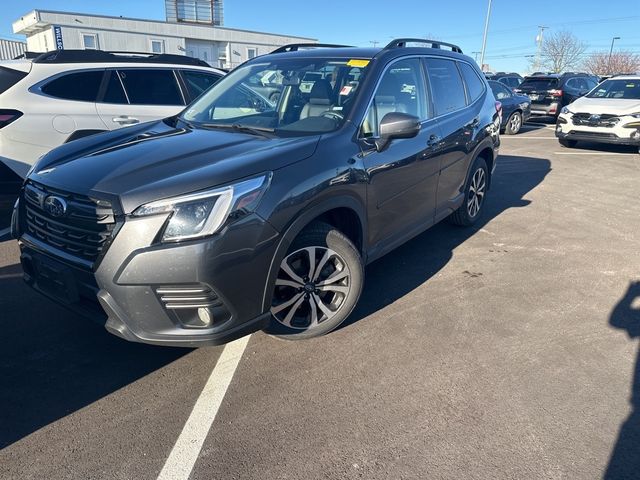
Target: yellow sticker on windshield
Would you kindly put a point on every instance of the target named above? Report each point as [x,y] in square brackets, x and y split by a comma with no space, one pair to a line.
[630,85]
[358,63]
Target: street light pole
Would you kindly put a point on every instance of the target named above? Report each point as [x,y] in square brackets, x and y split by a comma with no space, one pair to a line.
[611,52]
[484,37]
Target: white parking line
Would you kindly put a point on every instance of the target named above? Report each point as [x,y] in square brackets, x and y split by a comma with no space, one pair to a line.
[521,137]
[596,153]
[4,231]
[185,452]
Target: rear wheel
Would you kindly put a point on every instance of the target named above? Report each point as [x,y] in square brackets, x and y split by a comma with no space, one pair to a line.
[567,143]
[514,124]
[318,284]
[474,195]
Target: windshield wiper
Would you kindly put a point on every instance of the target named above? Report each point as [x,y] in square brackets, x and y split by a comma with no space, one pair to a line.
[260,131]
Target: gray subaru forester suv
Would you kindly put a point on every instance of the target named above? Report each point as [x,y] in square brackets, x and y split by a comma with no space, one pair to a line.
[246,212]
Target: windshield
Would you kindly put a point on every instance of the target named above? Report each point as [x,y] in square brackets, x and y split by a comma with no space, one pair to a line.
[625,89]
[297,96]
[539,83]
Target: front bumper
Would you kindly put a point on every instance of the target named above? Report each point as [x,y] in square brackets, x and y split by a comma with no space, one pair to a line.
[124,291]
[615,135]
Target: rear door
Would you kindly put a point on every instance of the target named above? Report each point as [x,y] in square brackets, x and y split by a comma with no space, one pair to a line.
[135,95]
[403,178]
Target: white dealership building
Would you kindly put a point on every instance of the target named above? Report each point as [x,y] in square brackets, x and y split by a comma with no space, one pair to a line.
[182,34]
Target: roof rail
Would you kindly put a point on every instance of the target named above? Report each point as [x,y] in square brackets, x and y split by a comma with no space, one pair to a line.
[294,47]
[101,56]
[402,42]
[27,55]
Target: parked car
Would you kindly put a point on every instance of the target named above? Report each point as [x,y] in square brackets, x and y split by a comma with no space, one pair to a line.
[550,92]
[64,95]
[516,108]
[610,113]
[511,80]
[199,228]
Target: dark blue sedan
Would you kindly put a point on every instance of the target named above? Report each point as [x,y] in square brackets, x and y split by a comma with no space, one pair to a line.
[516,108]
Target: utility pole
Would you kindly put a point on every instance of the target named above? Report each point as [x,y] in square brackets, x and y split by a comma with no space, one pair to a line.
[539,39]
[610,52]
[374,43]
[475,54]
[484,37]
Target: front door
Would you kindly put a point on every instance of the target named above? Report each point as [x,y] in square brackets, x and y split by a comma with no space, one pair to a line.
[403,178]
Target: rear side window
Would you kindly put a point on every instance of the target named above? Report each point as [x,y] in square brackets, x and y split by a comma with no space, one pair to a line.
[198,82]
[446,85]
[114,92]
[81,86]
[151,87]
[539,83]
[9,77]
[499,90]
[475,86]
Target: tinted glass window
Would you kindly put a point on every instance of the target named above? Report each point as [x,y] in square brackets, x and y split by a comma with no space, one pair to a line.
[198,82]
[446,85]
[114,92]
[475,86]
[499,90]
[9,77]
[81,86]
[151,87]
[539,83]
[401,89]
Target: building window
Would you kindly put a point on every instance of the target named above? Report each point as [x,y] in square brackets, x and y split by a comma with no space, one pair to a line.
[90,41]
[252,53]
[157,46]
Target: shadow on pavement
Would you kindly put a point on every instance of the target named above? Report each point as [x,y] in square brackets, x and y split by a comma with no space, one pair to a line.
[53,362]
[625,458]
[414,263]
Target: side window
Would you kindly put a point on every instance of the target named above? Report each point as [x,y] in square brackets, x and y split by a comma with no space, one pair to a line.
[151,87]
[591,83]
[500,91]
[114,92]
[198,82]
[475,86]
[82,86]
[401,89]
[446,85]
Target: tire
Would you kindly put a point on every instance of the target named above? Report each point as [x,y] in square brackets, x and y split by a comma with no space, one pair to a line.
[305,303]
[475,190]
[514,123]
[567,143]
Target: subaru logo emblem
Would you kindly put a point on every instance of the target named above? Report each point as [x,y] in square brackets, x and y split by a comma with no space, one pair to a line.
[55,206]
[594,118]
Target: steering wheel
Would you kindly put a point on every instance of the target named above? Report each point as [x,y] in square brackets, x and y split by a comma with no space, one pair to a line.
[333,115]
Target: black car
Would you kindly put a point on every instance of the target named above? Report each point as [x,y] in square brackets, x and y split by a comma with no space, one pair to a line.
[516,108]
[240,214]
[550,92]
[511,80]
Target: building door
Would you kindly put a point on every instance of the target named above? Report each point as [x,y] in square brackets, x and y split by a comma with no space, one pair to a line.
[202,50]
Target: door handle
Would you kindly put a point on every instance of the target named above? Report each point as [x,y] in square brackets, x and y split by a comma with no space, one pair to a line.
[433,140]
[125,120]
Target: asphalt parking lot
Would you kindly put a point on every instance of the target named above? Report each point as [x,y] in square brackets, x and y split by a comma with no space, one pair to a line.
[506,351]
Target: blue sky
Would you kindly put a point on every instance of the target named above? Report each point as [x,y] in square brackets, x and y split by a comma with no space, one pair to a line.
[512,29]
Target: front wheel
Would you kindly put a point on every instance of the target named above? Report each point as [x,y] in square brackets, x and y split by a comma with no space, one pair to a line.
[318,285]
[474,195]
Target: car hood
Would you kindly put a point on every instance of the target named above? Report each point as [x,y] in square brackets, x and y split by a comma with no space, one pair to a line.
[156,160]
[614,106]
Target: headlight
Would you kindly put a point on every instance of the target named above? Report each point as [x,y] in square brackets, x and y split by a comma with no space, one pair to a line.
[203,213]
[636,115]
[566,110]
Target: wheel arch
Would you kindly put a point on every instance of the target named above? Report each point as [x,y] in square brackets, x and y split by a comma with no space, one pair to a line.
[345,213]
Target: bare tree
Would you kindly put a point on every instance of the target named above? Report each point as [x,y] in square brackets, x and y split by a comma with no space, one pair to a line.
[599,63]
[562,51]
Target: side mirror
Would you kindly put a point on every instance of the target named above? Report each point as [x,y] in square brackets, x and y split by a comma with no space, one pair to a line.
[396,125]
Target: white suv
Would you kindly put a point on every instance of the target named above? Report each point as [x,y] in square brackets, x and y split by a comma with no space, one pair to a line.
[610,113]
[68,94]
